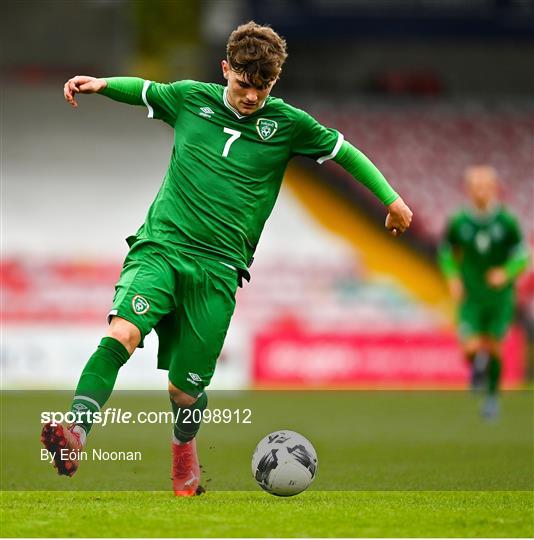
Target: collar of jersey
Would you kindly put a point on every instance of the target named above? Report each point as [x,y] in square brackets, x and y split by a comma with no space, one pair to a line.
[482,218]
[234,110]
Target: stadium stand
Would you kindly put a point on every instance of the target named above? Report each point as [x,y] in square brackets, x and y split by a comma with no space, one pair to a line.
[66,273]
[286,288]
[424,149]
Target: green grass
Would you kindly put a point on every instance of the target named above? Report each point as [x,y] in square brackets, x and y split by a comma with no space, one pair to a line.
[242,514]
[390,464]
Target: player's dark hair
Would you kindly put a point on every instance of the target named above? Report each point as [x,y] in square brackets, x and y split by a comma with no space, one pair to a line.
[256,51]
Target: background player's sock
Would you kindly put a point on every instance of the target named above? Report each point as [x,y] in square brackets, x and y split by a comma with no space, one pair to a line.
[479,365]
[490,409]
[185,427]
[98,378]
[494,374]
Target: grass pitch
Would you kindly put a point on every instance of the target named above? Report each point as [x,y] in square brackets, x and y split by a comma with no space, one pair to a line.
[390,464]
[245,514]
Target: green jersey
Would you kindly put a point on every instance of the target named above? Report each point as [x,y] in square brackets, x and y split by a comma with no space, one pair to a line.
[476,243]
[226,169]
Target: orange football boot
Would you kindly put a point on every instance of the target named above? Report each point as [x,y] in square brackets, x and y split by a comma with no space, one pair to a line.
[64,444]
[185,469]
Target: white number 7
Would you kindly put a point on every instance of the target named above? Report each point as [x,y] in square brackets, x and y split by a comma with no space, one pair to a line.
[234,135]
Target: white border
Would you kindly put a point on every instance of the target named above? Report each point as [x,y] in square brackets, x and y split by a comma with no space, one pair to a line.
[145,100]
[339,142]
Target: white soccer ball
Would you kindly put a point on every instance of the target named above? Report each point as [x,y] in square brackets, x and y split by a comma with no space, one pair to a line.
[284,463]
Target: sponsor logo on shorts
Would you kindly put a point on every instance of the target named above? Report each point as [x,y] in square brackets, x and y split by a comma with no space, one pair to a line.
[140,305]
[194,378]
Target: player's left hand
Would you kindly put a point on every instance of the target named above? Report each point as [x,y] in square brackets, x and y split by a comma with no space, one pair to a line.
[496,277]
[399,217]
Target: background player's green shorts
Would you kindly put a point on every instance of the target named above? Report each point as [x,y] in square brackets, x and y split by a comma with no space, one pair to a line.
[189,301]
[486,318]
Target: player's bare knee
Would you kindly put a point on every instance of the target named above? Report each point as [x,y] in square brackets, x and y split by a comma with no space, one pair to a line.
[472,346]
[179,397]
[125,332]
[494,347]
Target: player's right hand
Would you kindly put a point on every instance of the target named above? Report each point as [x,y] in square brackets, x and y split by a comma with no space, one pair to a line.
[82,84]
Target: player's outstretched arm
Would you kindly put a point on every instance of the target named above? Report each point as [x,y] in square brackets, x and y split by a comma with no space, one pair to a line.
[399,215]
[82,84]
[450,269]
[123,89]
[516,264]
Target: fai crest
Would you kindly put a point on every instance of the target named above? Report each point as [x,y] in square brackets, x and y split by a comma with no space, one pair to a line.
[266,128]
[140,305]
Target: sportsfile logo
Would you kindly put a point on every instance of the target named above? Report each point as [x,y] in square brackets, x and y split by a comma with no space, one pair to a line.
[114,415]
[206,112]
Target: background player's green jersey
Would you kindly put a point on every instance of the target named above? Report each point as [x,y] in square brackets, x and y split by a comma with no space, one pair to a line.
[475,243]
[226,169]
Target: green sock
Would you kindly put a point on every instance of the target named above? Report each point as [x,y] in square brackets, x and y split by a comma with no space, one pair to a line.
[98,378]
[188,421]
[494,374]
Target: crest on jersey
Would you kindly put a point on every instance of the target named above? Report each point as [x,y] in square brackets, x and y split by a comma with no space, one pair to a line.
[497,231]
[266,128]
[140,305]
[482,241]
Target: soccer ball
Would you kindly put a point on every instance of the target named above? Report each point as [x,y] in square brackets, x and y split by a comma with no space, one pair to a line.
[284,463]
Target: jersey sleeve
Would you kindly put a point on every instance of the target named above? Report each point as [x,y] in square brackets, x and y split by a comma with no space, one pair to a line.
[164,101]
[518,254]
[312,139]
[513,231]
[446,250]
[451,235]
[364,171]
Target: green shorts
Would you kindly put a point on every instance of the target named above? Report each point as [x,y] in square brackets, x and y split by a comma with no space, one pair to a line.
[189,301]
[489,318]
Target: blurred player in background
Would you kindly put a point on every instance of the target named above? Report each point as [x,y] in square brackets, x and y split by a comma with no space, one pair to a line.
[481,255]
[231,147]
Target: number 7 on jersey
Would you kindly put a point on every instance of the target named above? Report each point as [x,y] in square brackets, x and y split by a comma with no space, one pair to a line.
[234,136]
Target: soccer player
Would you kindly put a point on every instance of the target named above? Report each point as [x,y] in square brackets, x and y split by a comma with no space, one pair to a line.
[481,256]
[232,145]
